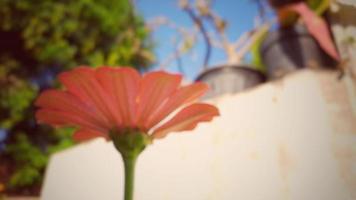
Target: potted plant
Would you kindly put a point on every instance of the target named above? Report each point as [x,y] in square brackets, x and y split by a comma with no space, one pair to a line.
[302,39]
[233,75]
[232,78]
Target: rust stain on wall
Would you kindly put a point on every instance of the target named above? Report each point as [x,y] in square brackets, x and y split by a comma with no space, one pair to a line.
[343,122]
[286,164]
[254,155]
[335,93]
[285,161]
[346,157]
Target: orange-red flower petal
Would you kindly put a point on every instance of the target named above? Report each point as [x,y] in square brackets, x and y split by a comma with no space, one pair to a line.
[155,87]
[122,84]
[82,83]
[64,103]
[62,118]
[182,96]
[187,119]
[87,134]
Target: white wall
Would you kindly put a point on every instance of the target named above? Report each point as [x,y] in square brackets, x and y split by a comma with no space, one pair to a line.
[290,139]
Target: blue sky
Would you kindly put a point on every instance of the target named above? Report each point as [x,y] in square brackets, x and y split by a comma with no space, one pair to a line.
[238,13]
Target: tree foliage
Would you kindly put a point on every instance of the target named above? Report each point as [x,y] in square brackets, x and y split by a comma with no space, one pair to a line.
[38,40]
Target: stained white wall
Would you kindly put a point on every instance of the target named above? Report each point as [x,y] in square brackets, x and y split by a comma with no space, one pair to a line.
[290,139]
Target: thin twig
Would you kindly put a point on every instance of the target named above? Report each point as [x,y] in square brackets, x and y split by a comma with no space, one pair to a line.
[203,31]
[256,34]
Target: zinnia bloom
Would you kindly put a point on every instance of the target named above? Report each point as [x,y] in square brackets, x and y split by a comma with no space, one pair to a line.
[116,100]
[122,105]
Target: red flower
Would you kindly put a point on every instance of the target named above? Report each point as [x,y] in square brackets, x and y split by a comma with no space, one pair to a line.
[103,100]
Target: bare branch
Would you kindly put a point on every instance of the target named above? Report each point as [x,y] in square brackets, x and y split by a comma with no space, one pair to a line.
[215,42]
[203,31]
[170,58]
[257,33]
[241,40]
[202,15]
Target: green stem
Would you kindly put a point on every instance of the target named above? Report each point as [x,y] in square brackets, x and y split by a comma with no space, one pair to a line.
[130,143]
[129,164]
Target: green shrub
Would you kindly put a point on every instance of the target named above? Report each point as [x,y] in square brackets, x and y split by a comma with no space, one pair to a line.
[38,40]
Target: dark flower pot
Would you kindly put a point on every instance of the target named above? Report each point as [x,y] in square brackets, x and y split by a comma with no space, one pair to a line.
[230,79]
[292,48]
